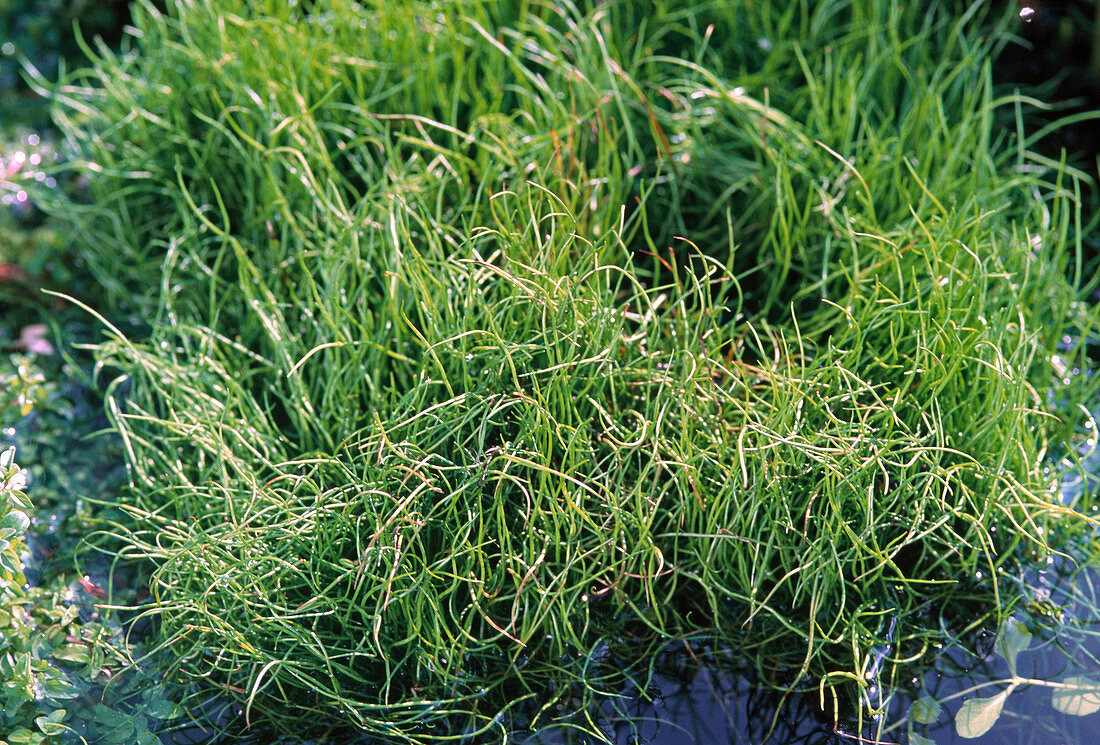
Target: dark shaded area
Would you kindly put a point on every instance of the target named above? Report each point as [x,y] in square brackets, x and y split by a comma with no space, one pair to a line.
[1054,59]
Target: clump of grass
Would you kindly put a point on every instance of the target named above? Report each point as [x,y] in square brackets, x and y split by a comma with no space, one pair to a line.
[483,338]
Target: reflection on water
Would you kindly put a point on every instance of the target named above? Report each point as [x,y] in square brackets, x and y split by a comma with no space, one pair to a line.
[1059,619]
[690,697]
[688,703]
[1057,644]
[1038,679]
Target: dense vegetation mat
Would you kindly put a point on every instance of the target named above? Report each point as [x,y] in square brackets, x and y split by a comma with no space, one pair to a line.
[490,341]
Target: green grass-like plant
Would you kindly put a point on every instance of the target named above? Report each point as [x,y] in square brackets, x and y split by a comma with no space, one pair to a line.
[486,337]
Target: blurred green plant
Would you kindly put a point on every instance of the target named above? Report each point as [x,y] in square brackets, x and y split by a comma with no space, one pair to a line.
[42,32]
[20,389]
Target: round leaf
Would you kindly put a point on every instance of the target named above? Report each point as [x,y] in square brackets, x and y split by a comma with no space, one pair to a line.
[1080,700]
[49,727]
[978,715]
[925,710]
[15,520]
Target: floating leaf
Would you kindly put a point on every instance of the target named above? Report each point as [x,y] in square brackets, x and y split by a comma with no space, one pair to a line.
[1080,700]
[978,715]
[158,706]
[1013,639]
[107,716]
[925,710]
[56,716]
[915,739]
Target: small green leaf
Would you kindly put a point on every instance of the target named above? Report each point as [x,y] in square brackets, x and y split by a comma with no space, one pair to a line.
[915,739]
[69,614]
[77,654]
[1013,639]
[158,707]
[925,710]
[24,736]
[105,715]
[50,728]
[1082,699]
[59,688]
[9,560]
[978,715]
[15,520]
[120,735]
